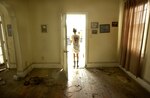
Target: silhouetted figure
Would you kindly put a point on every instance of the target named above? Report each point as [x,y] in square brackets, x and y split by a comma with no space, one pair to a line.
[75,40]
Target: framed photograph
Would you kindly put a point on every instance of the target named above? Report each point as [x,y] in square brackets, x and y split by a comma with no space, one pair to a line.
[104,28]
[94,25]
[44,28]
[94,31]
[114,24]
[9,30]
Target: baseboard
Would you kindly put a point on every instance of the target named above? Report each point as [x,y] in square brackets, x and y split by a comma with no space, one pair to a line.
[12,65]
[25,72]
[143,83]
[107,64]
[46,65]
[32,66]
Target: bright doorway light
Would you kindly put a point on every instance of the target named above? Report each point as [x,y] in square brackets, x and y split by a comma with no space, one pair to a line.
[77,21]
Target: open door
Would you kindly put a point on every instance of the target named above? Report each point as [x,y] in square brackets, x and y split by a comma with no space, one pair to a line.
[64,44]
[3,48]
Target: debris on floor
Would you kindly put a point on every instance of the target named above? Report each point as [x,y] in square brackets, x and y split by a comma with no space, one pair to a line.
[88,83]
[105,70]
[2,69]
[50,82]
[94,94]
[17,78]
[95,70]
[33,81]
[108,72]
[2,81]
[123,79]
[71,90]
[47,81]
[101,95]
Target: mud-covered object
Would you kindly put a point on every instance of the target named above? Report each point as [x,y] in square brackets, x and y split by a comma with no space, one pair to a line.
[26,83]
[33,81]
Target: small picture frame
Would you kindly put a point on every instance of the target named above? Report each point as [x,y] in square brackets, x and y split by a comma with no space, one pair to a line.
[94,31]
[44,28]
[115,24]
[94,25]
[104,28]
[9,30]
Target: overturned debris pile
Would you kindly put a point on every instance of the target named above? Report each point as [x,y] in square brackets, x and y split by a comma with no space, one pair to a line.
[33,81]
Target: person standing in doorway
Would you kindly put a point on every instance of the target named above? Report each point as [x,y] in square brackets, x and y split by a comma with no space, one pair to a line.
[75,40]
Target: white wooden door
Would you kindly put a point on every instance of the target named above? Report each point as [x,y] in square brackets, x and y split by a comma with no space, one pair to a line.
[64,43]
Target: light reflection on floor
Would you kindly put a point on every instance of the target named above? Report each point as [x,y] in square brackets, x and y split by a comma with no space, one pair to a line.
[71,69]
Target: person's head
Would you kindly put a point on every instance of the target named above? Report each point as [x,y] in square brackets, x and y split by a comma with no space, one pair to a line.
[74,30]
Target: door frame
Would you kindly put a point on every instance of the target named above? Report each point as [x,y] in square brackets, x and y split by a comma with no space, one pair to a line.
[63,42]
[86,36]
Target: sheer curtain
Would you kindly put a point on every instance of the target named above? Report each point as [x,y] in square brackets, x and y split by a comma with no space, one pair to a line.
[134,35]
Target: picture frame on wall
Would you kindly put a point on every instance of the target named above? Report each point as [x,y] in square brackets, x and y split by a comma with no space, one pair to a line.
[9,30]
[94,25]
[104,28]
[44,28]
[94,31]
[115,24]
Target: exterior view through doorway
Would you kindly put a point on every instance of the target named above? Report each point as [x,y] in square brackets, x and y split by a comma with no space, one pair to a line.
[77,21]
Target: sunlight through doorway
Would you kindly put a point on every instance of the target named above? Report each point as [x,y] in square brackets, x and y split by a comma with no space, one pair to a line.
[77,21]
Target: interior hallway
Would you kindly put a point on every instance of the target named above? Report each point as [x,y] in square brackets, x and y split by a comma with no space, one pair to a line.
[83,83]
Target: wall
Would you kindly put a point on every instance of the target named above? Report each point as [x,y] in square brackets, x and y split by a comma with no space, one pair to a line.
[38,48]
[45,46]
[22,31]
[101,48]
[146,69]
[121,10]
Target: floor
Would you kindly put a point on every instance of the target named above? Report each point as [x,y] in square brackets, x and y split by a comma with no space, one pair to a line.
[82,83]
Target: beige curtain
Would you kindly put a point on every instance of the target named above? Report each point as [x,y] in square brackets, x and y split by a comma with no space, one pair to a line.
[132,42]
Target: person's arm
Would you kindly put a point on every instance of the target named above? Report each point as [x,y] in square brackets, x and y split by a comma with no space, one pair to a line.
[71,39]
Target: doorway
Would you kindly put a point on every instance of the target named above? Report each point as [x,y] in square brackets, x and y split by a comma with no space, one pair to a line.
[77,21]
[3,48]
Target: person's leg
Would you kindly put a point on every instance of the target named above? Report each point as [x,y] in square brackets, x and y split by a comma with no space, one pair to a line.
[77,59]
[74,59]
